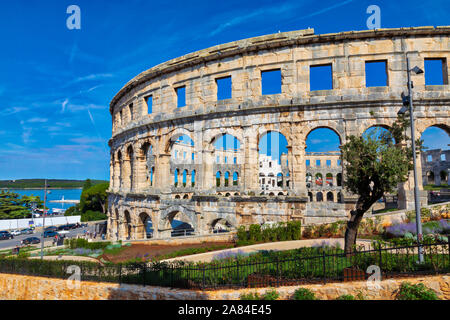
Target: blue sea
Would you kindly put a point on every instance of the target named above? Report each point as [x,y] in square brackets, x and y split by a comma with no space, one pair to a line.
[53,194]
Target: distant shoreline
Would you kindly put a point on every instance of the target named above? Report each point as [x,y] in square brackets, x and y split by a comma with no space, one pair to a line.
[66,188]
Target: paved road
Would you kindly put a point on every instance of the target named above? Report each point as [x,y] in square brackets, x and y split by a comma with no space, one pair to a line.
[4,244]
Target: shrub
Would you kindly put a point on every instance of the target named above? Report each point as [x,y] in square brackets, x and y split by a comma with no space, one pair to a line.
[255,233]
[304,294]
[268,295]
[271,295]
[242,234]
[418,291]
[93,216]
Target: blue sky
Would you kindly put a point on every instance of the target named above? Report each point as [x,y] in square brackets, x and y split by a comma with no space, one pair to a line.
[56,84]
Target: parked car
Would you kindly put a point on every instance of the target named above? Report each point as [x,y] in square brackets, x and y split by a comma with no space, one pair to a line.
[27,231]
[16,232]
[51,228]
[31,240]
[50,234]
[5,235]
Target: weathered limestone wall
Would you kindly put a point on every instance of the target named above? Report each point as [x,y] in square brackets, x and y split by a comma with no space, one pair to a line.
[349,108]
[17,287]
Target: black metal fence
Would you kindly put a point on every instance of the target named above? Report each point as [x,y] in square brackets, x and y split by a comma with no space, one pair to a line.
[311,265]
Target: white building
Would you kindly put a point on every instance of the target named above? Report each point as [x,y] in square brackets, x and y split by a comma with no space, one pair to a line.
[270,174]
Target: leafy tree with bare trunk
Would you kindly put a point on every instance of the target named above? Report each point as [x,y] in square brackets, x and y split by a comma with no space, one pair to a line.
[374,165]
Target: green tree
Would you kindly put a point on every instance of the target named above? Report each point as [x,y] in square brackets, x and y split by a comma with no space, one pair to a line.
[87,184]
[12,206]
[374,165]
[95,198]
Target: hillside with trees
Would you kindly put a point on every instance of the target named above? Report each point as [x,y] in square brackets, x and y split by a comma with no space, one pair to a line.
[51,183]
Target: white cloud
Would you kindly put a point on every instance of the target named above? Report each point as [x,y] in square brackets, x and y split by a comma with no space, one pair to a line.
[37,120]
[14,110]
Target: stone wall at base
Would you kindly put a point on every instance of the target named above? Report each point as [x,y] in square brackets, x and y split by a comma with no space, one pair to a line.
[18,287]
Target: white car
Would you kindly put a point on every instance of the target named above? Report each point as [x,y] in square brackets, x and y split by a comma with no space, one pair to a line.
[16,232]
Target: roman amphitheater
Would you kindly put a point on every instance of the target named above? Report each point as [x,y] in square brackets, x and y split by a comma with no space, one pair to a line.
[166,162]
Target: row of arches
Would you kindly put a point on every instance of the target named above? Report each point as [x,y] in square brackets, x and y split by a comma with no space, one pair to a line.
[329,197]
[134,168]
[173,224]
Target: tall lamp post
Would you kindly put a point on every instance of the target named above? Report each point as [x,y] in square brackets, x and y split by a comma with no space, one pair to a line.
[43,221]
[409,101]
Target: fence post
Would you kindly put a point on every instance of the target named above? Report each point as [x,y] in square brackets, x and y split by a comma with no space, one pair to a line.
[144,272]
[237,271]
[278,272]
[324,268]
[381,257]
[120,274]
[204,278]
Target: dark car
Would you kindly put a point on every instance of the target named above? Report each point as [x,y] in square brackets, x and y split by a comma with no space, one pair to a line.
[27,231]
[31,240]
[52,228]
[50,234]
[63,227]
[5,235]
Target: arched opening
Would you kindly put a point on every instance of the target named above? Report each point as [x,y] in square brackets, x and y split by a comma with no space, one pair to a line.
[309,180]
[444,177]
[435,156]
[322,151]
[430,177]
[181,224]
[175,178]
[310,196]
[218,178]
[227,179]
[279,180]
[319,197]
[128,227]
[339,179]
[235,179]
[339,197]
[227,194]
[227,149]
[185,174]
[120,170]
[378,132]
[273,162]
[186,196]
[146,229]
[193,178]
[330,197]
[182,149]
[329,179]
[221,226]
[319,179]
[129,169]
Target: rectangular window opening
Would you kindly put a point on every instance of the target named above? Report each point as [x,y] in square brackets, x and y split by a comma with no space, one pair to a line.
[376,74]
[321,77]
[130,107]
[149,102]
[181,97]
[436,71]
[224,88]
[271,81]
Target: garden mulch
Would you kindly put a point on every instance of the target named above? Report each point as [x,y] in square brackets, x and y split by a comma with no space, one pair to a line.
[152,251]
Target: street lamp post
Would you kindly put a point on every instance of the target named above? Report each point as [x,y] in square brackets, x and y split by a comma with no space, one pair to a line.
[409,101]
[43,221]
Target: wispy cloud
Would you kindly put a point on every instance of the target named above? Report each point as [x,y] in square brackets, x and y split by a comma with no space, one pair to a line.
[37,120]
[14,110]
